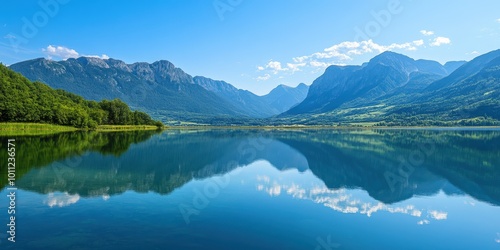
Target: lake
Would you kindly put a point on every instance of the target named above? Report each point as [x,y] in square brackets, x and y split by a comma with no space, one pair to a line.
[256,189]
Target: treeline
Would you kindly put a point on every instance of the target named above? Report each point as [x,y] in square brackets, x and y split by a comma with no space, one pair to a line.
[25,101]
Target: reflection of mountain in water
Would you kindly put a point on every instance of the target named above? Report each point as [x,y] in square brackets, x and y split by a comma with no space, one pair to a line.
[467,160]
[454,161]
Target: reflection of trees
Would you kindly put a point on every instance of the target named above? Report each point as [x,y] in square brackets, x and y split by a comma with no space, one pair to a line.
[38,151]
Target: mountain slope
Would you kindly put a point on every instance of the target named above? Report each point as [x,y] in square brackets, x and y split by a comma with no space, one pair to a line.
[159,88]
[354,86]
[249,103]
[462,95]
[283,97]
[280,99]
[25,101]
[466,70]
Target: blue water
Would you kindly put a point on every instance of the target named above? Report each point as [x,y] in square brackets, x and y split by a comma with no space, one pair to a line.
[259,190]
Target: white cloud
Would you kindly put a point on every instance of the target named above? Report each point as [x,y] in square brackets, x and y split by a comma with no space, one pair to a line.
[427,32]
[438,41]
[9,36]
[438,215]
[60,52]
[498,20]
[275,66]
[64,53]
[62,199]
[263,78]
[418,42]
[339,53]
[318,64]
[295,66]
[103,56]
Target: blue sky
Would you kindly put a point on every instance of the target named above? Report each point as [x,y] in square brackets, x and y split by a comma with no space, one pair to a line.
[252,44]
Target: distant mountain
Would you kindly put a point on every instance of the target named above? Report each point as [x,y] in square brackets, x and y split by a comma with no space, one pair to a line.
[158,88]
[280,99]
[390,89]
[248,102]
[352,86]
[283,97]
[472,90]
[453,65]
[395,89]
[465,70]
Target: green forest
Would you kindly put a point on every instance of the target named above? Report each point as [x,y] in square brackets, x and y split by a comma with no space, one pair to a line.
[26,101]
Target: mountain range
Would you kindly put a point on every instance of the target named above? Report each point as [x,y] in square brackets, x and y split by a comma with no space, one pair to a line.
[390,89]
[160,88]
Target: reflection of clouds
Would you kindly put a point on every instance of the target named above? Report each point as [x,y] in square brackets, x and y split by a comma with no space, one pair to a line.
[274,190]
[263,178]
[470,203]
[61,199]
[498,238]
[341,200]
[437,215]
[423,222]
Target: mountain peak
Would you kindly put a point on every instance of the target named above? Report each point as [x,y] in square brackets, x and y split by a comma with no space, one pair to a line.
[94,61]
[390,56]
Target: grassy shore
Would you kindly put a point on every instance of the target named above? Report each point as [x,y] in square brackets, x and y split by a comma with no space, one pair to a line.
[24,129]
[17,128]
[125,127]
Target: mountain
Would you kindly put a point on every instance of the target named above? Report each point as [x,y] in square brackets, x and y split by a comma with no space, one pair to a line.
[390,89]
[472,90]
[25,101]
[453,65]
[280,99]
[397,90]
[159,88]
[466,70]
[354,86]
[283,97]
[248,102]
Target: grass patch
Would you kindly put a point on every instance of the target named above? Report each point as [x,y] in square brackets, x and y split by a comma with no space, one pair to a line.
[125,127]
[19,128]
[27,129]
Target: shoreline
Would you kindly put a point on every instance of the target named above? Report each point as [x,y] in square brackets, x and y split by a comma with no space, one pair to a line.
[33,129]
[17,129]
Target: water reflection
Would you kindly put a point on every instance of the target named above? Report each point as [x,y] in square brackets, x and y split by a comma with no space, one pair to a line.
[229,189]
[461,162]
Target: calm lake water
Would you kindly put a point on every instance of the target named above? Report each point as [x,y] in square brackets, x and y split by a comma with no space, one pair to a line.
[229,189]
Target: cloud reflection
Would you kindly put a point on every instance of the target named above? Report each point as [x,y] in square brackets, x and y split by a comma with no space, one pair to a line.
[61,199]
[437,215]
[341,200]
